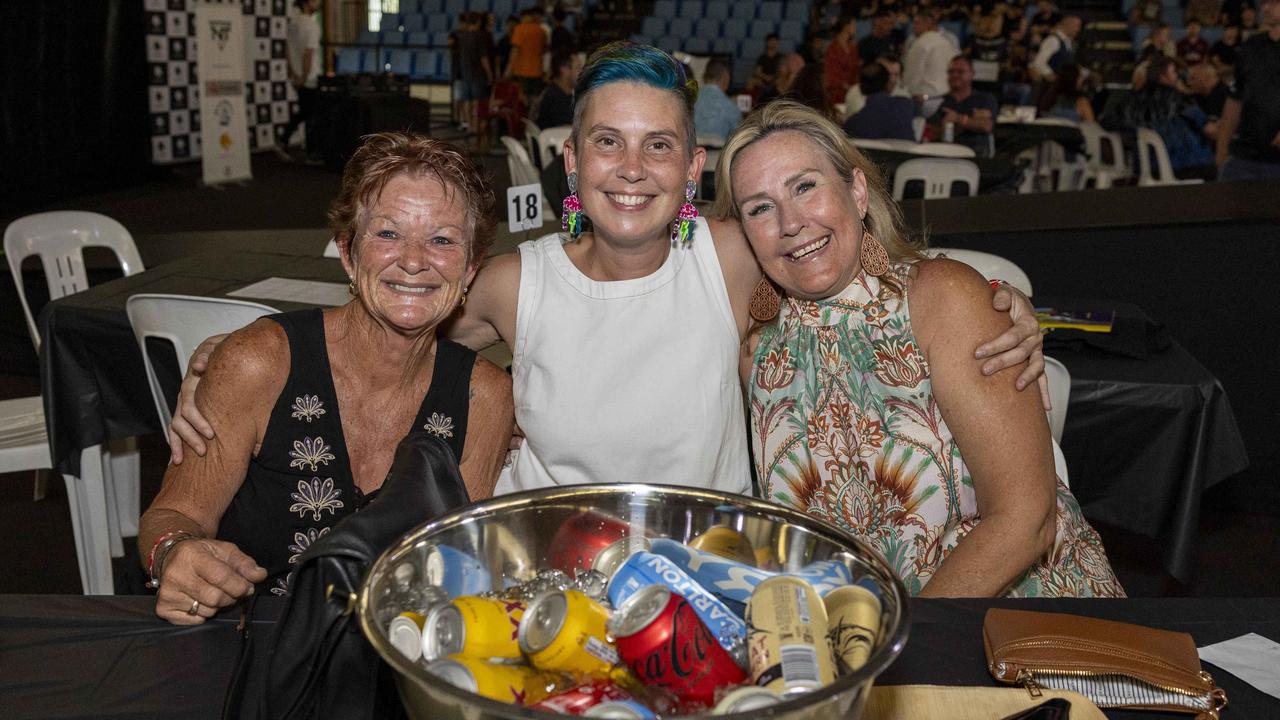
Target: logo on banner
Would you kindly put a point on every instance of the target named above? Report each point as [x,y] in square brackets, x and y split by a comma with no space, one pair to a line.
[223,112]
[221,32]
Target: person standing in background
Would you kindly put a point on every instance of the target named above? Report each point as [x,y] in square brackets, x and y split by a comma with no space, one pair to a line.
[767,64]
[714,113]
[303,57]
[842,63]
[924,69]
[528,42]
[503,48]
[562,38]
[881,40]
[1192,48]
[556,106]
[1253,106]
[475,74]
[1058,49]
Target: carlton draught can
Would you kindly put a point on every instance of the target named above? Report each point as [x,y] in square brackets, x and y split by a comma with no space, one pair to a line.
[733,582]
[661,638]
[788,644]
[644,569]
[475,627]
[516,684]
[565,630]
[456,571]
[853,623]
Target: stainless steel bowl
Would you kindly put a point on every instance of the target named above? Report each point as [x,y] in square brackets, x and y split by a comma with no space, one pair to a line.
[511,537]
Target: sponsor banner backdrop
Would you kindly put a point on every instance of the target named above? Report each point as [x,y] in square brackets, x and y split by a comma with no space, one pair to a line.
[220,53]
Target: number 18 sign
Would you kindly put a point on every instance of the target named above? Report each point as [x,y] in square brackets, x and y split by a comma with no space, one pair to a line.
[524,207]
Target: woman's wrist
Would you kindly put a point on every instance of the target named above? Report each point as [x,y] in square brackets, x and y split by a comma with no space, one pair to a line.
[161,549]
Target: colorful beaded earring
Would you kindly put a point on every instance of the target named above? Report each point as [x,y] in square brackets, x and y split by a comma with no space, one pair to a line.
[571,214]
[682,227]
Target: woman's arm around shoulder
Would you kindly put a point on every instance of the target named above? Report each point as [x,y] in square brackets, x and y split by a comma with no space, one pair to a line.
[490,418]
[738,264]
[489,314]
[1002,434]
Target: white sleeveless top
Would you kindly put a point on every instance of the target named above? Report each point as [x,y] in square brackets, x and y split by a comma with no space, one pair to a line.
[630,381]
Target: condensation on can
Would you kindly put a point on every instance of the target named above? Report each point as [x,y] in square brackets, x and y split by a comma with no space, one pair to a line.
[787,636]
[747,698]
[621,710]
[405,634]
[566,631]
[853,625]
[727,543]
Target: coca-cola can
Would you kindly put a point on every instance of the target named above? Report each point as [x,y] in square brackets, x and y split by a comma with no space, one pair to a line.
[580,539]
[582,698]
[664,642]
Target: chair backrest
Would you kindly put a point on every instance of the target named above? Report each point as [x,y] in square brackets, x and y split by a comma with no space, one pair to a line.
[991,267]
[551,141]
[1151,150]
[938,175]
[1059,395]
[59,238]
[1060,465]
[532,138]
[518,163]
[185,321]
[943,149]
[331,249]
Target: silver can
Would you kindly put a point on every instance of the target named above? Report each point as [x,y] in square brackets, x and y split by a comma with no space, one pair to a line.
[745,699]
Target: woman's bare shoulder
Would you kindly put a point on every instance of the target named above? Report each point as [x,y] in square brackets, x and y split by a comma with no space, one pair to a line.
[950,295]
[489,380]
[251,361]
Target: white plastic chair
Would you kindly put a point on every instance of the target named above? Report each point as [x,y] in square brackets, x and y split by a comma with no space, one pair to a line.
[104,499]
[1151,147]
[331,249]
[523,171]
[185,321]
[1059,395]
[1060,464]
[989,266]
[938,174]
[943,149]
[532,138]
[551,143]
[1106,163]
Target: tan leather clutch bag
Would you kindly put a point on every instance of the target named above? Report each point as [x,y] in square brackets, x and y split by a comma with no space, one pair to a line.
[1113,664]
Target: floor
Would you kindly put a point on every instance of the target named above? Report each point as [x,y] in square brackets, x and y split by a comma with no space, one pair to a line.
[286,203]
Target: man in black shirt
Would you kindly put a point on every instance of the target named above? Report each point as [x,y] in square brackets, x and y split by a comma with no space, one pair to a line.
[972,113]
[556,106]
[880,41]
[1252,112]
[767,64]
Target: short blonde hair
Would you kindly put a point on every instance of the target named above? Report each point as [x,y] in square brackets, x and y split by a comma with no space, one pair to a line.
[884,217]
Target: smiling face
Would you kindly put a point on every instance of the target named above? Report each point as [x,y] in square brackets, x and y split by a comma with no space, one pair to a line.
[802,219]
[633,159]
[411,262]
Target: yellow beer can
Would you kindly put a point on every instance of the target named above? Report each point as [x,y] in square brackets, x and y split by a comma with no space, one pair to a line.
[565,630]
[515,684]
[727,543]
[475,627]
[786,636]
[853,625]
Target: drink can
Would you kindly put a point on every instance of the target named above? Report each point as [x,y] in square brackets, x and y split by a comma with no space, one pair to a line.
[733,581]
[566,630]
[644,569]
[577,701]
[727,543]
[608,560]
[746,698]
[788,645]
[949,132]
[621,710]
[576,543]
[475,627]
[661,638]
[853,623]
[456,571]
[515,684]
[405,634]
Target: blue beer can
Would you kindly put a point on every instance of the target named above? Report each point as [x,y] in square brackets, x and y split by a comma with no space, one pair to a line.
[734,582]
[456,571]
[645,568]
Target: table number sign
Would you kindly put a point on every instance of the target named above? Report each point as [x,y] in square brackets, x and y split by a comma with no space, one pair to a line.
[524,207]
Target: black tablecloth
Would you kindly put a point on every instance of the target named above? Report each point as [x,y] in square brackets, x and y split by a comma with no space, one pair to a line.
[997,174]
[91,371]
[1013,138]
[1144,438]
[91,657]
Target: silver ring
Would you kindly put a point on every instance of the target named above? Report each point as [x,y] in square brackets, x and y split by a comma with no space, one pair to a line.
[195,607]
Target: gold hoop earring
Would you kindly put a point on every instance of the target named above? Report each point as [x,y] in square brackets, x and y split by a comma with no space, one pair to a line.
[464,298]
[875,260]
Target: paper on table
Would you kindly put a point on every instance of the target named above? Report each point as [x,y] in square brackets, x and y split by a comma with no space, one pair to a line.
[1252,658]
[308,292]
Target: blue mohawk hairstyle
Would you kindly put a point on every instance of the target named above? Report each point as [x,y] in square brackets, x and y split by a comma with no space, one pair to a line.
[627,61]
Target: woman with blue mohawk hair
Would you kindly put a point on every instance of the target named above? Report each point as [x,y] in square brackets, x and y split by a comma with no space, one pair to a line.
[625,328]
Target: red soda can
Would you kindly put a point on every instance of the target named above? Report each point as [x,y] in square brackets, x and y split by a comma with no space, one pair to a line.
[582,698]
[665,643]
[577,542]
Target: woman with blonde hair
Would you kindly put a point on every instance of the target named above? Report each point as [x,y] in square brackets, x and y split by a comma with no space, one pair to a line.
[867,409]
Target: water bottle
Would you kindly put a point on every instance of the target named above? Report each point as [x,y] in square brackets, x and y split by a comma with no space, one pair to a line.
[949,132]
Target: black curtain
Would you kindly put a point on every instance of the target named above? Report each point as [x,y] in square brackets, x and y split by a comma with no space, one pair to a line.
[73,100]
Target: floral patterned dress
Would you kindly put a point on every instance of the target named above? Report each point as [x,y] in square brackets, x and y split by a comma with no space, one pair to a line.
[300,484]
[845,427]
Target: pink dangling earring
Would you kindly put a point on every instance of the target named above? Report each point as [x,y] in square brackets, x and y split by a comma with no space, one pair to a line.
[682,227]
[571,213]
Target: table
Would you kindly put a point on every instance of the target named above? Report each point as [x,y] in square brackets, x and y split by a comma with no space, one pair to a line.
[1169,430]
[1014,137]
[88,657]
[995,175]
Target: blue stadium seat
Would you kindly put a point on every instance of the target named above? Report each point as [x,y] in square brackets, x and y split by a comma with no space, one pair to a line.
[697,46]
[762,28]
[400,61]
[724,46]
[734,28]
[367,37]
[707,29]
[680,27]
[691,9]
[438,23]
[654,26]
[502,10]
[410,7]
[348,61]
[791,30]
[454,8]
[718,9]
[417,38]
[392,38]
[770,11]
[751,49]
[642,39]
[744,11]
[440,39]
[798,11]
[787,46]
[480,5]
[664,8]
[444,71]
[424,64]
[668,43]
[369,60]
[415,22]
[390,23]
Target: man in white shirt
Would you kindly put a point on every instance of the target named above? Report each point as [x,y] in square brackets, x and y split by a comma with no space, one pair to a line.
[303,57]
[924,69]
[1056,50]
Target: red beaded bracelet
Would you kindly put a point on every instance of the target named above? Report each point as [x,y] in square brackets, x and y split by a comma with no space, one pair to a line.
[995,284]
[151,556]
